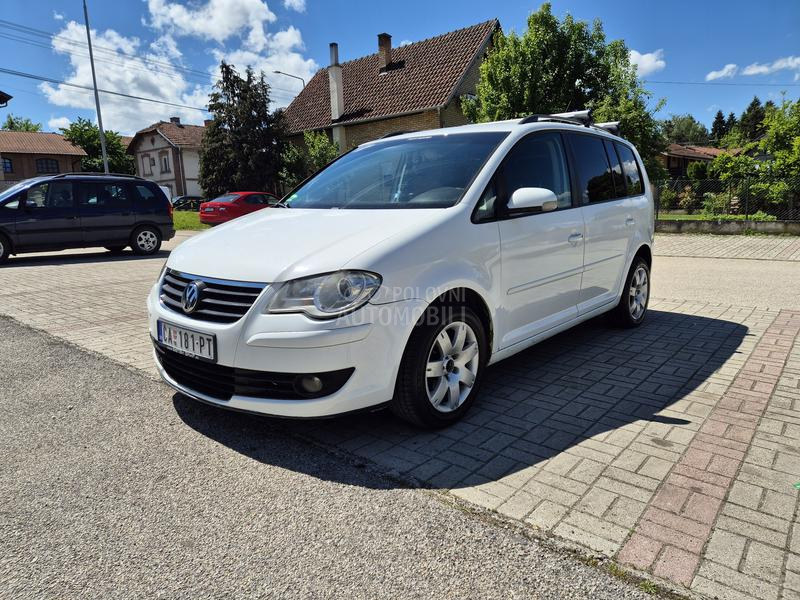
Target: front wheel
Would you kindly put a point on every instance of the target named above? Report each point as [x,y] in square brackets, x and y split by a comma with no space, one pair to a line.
[146,240]
[632,307]
[5,248]
[442,367]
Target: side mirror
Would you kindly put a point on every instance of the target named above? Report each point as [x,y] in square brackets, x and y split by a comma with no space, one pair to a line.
[532,198]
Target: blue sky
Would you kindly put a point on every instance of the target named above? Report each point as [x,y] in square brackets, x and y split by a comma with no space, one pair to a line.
[754,45]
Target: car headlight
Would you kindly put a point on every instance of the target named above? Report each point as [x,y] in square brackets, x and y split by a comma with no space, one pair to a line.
[326,296]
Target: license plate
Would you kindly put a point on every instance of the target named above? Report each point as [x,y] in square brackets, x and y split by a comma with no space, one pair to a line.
[208,210]
[186,341]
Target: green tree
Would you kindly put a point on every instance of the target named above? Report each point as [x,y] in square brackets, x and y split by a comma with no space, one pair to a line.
[697,170]
[685,129]
[730,122]
[562,65]
[86,135]
[242,146]
[306,158]
[751,122]
[13,123]
[718,128]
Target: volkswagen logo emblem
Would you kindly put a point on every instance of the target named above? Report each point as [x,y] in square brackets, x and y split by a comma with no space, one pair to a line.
[191,296]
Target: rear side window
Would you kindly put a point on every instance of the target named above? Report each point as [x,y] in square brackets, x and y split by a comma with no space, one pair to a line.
[106,196]
[150,197]
[630,168]
[594,172]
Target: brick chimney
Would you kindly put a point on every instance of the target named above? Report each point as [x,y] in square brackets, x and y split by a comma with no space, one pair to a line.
[207,122]
[176,120]
[384,50]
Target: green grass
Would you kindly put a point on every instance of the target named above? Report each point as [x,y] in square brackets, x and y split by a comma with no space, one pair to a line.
[184,219]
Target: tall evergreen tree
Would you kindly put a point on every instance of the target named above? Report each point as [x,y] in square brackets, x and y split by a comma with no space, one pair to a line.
[242,146]
[730,122]
[751,123]
[718,129]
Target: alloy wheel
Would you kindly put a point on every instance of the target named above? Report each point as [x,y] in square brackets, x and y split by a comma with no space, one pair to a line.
[146,240]
[638,293]
[452,367]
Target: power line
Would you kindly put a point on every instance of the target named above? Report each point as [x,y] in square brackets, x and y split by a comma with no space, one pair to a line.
[115,54]
[84,87]
[725,83]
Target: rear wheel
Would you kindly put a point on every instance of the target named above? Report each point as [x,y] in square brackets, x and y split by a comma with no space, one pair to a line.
[632,307]
[146,240]
[5,248]
[442,367]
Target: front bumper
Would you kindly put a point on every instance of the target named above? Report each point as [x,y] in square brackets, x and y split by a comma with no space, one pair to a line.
[370,341]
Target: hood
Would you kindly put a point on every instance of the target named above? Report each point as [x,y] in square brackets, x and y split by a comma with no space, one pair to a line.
[282,244]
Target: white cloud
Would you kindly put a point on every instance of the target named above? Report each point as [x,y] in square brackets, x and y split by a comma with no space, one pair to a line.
[728,70]
[283,52]
[298,5]
[57,123]
[215,20]
[126,74]
[405,42]
[787,63]
[648,63]
[58,16]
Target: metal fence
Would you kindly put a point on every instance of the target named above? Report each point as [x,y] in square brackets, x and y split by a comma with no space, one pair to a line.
[758,199]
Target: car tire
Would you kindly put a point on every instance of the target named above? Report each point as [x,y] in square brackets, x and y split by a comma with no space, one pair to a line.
[632,308]
[146,240]
[433,387]
[115,249]
[5,248]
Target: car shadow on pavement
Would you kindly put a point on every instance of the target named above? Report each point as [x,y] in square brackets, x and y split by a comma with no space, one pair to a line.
[586,382]
[69,258]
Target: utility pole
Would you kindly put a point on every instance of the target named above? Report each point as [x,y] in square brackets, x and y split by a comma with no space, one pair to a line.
[96,95]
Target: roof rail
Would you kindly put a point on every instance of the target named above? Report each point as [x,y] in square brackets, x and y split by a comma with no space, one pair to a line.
[96,174]
[394,133]
[578,117]
[611,127]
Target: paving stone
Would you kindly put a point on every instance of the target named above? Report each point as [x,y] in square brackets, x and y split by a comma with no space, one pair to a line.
[765,562]
[676,565]
[726,548]
[639,551]
[547,514]
[745,494]
[738,581]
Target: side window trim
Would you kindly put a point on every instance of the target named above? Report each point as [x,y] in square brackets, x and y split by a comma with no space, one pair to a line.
[499,191]
[617,195]
[636,162]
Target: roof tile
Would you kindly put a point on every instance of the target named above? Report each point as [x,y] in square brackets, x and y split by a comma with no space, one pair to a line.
[423,75]
[36,142]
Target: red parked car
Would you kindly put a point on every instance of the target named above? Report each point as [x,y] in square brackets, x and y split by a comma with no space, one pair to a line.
[234,204]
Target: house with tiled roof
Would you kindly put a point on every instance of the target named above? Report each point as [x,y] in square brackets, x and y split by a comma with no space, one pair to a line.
[677,157]
[26,154]
[168,152]
[409,88]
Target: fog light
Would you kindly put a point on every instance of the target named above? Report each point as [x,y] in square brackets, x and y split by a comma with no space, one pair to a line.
[311,384]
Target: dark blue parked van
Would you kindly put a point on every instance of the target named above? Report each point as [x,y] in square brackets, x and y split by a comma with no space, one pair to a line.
[81,210]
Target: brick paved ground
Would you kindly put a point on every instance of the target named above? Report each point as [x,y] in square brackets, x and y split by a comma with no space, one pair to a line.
[759,247]
[673,448]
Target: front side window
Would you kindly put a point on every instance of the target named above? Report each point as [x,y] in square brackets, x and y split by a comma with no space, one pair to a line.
[538,161]
[630,168]
[421,172]
[46,165]
[594,172]
[37,196]
[8,166]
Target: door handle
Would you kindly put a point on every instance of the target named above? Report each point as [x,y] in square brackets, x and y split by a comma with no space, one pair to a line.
[71,218]
[630,221]
[575,238]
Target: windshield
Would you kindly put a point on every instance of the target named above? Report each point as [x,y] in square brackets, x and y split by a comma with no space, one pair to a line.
[423,172]
[6,194]
[226,198]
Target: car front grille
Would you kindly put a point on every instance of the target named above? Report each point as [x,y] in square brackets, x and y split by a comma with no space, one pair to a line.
[221,382]
[220,301]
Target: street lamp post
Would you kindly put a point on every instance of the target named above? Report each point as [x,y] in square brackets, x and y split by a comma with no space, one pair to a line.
[303,81]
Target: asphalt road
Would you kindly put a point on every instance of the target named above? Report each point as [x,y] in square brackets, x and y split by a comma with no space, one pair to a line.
[110,487]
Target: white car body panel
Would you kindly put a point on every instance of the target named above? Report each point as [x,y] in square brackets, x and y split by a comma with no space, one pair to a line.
[537,275]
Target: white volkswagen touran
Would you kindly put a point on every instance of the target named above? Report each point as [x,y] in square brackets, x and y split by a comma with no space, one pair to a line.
[398,273]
